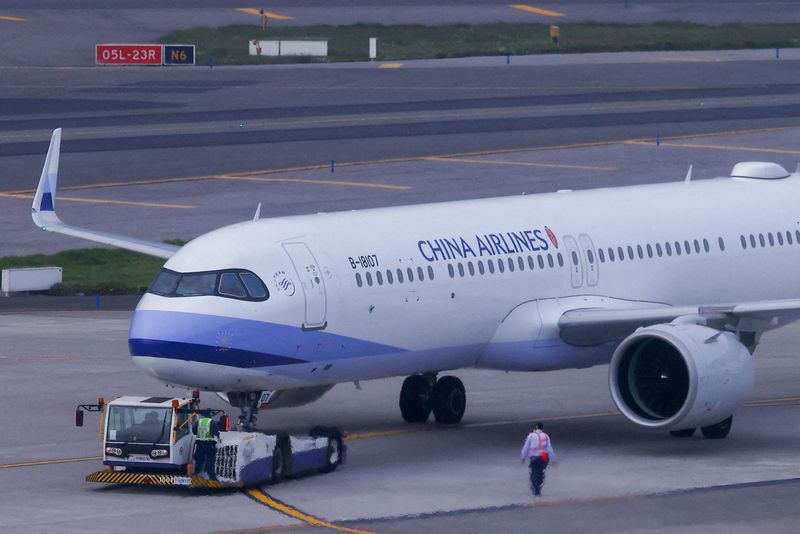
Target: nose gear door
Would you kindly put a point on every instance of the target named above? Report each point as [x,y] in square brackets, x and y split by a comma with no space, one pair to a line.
[310,276]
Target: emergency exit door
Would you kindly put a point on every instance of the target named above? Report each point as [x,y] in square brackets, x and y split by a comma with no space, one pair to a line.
[589,253]
[574,261]
[310,276]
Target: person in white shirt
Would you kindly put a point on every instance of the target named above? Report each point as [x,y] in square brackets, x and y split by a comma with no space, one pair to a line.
[539,450]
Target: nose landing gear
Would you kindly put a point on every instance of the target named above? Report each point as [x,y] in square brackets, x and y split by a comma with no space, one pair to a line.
[248,403]
[422,394]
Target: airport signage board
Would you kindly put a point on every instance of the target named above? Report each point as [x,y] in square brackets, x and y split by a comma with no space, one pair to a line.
[129,54]
[178,54]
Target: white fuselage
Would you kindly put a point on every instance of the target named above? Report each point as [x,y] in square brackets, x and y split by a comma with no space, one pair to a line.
[338,310]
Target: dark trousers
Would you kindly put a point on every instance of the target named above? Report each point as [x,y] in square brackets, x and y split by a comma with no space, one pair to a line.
[537,467]
[205,454]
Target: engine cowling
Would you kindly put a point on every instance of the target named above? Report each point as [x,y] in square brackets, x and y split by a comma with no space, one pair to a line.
[680,376]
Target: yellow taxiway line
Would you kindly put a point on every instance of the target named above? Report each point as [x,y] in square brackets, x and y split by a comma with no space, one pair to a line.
[50,462]
[537,10]
[106,201]
[11,19]
[312,181]
[254,11]
[523,163]
[390,65]
[267,500]
[718,147]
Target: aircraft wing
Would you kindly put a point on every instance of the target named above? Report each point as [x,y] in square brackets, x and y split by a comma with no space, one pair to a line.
[591,326]
[44,212]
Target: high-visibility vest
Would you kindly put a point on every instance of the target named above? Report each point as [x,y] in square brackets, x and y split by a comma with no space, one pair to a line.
[204,430]
[542,441]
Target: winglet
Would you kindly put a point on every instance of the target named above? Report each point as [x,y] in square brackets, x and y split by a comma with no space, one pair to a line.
[43,210]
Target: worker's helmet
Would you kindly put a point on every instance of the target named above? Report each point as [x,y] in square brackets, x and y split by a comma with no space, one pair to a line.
[538,426]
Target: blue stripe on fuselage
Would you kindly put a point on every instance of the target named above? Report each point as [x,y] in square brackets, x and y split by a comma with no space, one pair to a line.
[239,342]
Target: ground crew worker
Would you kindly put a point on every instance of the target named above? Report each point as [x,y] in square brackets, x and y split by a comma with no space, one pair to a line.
[539,450]
[206,437]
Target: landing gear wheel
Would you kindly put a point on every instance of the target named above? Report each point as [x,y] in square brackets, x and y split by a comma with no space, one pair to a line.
[718,430]
[685,433]
[415,399]
[334,450]
[280,460]
[449,400]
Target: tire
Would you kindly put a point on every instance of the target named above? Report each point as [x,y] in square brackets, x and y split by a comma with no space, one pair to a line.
[685,433]
[281,458]
[449,400]
[719,430]
[333,455]
[415,399]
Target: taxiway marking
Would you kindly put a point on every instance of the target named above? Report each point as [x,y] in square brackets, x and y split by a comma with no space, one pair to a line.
[273,503]
[717,147]
[311,181]
[390,65]
[50,462]
[11,19]
[107,201]
[537,10]
[523,163]
[254,11]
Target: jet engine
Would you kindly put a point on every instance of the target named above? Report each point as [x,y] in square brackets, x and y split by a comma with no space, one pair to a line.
[680,376]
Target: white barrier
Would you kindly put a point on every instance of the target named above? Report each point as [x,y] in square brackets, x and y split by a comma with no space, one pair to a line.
[32,279]
[288,48]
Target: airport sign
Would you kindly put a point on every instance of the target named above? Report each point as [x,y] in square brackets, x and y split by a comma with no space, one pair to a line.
[179,54]
[129,54]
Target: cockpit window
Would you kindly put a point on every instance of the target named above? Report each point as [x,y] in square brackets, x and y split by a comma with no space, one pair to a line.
[254,285]
[196,284]
[231,283]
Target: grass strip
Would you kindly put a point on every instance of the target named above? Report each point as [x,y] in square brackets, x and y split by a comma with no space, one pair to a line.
[94,270]
[229,45]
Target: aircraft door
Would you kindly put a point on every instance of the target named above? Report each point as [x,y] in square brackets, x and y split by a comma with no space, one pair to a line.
[574,261]
[310,276]
[590,255]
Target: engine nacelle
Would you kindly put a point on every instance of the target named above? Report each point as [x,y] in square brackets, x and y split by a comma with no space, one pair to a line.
[679,376]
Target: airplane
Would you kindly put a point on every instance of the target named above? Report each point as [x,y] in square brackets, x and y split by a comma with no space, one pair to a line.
[671,285]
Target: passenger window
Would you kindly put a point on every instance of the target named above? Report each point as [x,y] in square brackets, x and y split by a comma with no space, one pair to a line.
[540,260]
[620,254]
[797,235]
[490,263]
[744,242]
[550,261]
[630,252]
[779,235]
[359,282]
[230,285]
[706,246]
[697,246]
[658,250]
[511,265]
[399,276]
[430,272]
[677,248]
[687,247]
[601,255]
[461,270]
[649,251]
[639,251]
[521,263]
[471,268]
[501,266]
[574,258]
[788,237]
[410,274]
[369,279]
[560,259]
[752,241]
[771,239]
[761,240]
[192,285]
[668,248]
[590,256]
[421,274]
[389,277]
[530,263]
[721,244]
[255,287]
[379,278]
[450,270]
[610,254]
[481,269]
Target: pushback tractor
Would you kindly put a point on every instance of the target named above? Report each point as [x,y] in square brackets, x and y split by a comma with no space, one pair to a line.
[150,441]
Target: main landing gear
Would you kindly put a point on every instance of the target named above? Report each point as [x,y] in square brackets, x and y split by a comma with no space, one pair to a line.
[247,402]
[715,431]
[422,394]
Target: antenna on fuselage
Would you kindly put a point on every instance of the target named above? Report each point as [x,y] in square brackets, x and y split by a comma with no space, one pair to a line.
[689,175]
[257,216]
